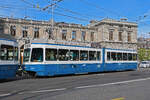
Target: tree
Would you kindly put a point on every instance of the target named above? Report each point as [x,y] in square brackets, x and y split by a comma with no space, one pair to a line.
[141,54]
[144,54]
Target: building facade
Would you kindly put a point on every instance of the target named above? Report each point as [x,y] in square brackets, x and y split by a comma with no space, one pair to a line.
[106,33]
[116,34]
[143,43]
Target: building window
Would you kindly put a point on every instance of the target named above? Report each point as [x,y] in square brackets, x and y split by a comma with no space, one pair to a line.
[120,26]
[120,36]
[36,32]
[73,35]
[110,35]
[83,34]
[64,34]
[13,30]
[92,36]
[129,37]
[1,28]
[49,32]
[24,32]
[129,27]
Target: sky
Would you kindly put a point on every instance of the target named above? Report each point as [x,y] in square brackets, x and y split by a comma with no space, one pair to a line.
[81,11]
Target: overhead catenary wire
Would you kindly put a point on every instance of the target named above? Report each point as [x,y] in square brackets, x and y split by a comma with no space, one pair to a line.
[101,8]
[33,5]
[9,9]
[77,13]
[57,13]
[81,19]
[14,7]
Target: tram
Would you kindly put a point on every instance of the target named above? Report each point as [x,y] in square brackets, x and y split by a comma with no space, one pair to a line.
[8,56]
[44,59]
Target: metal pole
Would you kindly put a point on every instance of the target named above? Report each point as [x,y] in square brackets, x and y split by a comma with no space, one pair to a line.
[52,18]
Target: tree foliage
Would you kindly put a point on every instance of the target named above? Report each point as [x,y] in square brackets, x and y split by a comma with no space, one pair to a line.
[143,54]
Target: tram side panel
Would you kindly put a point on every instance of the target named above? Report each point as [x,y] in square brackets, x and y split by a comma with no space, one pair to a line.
[120,60]
[8,71]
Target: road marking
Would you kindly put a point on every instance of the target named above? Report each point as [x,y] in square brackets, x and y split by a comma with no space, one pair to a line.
[119,98]
[7,94]
[100,74]
[115,83]
[41,91]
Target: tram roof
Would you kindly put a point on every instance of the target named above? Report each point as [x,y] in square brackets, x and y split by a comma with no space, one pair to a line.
[7,37]
[44,42]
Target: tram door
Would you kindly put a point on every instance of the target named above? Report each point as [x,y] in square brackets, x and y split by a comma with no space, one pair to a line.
[21,56]
[75,65]
[82,66]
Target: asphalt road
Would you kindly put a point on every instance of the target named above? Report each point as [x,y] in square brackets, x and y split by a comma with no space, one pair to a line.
[129,85]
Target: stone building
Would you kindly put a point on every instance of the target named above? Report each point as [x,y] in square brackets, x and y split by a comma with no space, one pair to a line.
[116,34]
[105,33]
[143,43]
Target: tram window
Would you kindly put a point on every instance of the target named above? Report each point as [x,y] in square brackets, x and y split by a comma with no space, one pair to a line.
[134,57]
[74,55]
[98,55]
[16,54]
[26,55]
[6,52]
[108,56]
[113,56]
[84,55]
[125,57]
[63,54]
[51,54]
[92,55]
[37,55]
[119,56]
[130,56]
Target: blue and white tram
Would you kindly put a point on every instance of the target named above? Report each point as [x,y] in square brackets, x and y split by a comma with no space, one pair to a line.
[49,59]
[43,59]
[8,56]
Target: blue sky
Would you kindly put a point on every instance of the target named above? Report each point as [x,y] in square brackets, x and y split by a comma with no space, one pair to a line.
[81,11]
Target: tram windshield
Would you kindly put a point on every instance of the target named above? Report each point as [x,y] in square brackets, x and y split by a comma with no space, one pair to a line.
[26,55]
[37,55]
